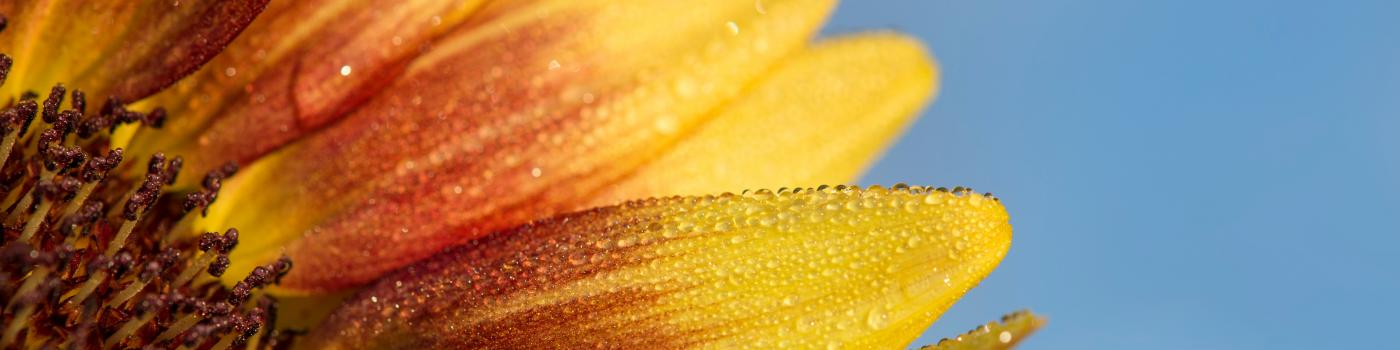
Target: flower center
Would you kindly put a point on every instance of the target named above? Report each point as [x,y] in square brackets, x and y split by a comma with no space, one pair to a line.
[90,259]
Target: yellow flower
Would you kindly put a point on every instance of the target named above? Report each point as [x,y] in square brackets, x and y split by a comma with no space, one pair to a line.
[471,174]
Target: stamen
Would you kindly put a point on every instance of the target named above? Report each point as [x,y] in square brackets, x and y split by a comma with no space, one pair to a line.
[16,122]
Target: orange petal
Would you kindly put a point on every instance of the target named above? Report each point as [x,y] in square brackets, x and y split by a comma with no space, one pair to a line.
[821,117]
[827,268]
[283,77]
[508,120]
[127,49]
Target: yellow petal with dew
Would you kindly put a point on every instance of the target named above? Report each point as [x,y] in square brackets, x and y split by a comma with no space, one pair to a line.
[514,118]
[832,268]
[821,117]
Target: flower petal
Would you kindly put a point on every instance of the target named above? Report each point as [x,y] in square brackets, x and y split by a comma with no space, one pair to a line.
[1003,335]
[848,268]
[127,49]
[821,117]
[510,120]
[282,78]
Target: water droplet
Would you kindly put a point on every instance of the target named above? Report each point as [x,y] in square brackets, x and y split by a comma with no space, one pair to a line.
[685,87]
[805,324]
[733,28]
[345,70]
[723,227]
[914,241]
[626,242]
[877,318]
[767,221]
[1004,337]
[666,124]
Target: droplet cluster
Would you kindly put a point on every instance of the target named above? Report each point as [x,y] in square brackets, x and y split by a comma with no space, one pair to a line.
[826,267]
[91,259]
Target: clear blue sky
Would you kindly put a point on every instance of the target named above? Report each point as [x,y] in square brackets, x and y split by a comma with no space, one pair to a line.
[1183,174]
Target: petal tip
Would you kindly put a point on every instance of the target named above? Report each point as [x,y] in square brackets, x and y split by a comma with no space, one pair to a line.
[1004,334]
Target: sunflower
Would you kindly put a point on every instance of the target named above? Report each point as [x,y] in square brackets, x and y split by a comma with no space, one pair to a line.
[435,173]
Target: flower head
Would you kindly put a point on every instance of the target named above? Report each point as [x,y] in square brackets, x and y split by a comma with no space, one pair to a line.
[470,174]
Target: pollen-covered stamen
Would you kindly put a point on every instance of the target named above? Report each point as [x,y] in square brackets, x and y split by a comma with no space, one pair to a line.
[159,173]
[116,113]
[260,277]
[53,103]
[47,193]
[79,102]
[91,175]
[213,254]
[210,191]
[5,61]
[167,259]
[90,259]
[16,120]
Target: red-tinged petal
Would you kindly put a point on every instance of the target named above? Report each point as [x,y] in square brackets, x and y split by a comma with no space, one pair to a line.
[835,268]
[301,65]
[508,120]
[127,49]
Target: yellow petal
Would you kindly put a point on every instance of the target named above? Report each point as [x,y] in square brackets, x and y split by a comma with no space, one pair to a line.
[283,77]
[126,49]
[1003,335]
[821,117]
[511,119]
[847,268]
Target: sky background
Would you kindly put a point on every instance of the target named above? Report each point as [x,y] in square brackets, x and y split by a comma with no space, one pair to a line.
[1180,174]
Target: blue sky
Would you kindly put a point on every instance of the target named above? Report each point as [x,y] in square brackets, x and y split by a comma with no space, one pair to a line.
[1180,174]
